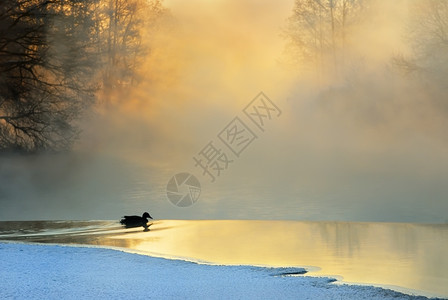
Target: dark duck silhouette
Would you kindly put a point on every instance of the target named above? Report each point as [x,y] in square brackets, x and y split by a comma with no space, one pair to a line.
[136,221]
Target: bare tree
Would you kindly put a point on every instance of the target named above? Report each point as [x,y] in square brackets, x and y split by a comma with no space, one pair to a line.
[43,87]
[318,32]
[119,33]
[428,38]
[57,57]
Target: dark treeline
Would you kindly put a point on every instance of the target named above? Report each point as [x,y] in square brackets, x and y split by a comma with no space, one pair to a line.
[59,57]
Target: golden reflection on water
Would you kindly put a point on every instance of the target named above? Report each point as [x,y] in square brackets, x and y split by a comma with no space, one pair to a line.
[405,255]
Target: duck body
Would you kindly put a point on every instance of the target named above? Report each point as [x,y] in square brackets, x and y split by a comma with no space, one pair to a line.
[136,221]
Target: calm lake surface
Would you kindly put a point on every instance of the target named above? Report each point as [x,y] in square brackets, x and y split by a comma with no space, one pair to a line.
[407,257]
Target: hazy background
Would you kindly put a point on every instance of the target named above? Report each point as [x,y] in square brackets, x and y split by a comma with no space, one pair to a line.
[365,145]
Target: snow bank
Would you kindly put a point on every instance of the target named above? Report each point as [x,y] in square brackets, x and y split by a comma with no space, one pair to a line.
[30,271]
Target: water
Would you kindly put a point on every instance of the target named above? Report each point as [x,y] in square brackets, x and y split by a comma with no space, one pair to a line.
[83,186]
[405,257]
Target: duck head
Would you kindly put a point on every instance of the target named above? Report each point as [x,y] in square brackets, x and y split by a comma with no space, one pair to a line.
[146,215]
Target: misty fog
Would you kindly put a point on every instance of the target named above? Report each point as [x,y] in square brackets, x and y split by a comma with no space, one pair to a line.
[363,139]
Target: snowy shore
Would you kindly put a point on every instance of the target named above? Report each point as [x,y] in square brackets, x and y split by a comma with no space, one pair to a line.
[31,271]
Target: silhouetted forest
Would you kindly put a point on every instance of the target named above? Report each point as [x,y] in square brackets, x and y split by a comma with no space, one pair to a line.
[59,57]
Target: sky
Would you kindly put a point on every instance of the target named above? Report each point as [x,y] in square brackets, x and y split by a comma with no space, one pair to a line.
[363,146]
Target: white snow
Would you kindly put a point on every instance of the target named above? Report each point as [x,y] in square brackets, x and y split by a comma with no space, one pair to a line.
[32,271]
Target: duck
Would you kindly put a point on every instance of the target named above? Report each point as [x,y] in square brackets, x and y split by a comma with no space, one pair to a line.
[136,221]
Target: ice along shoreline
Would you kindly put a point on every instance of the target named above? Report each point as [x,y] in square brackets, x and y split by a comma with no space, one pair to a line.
[36,271]
[408,258]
